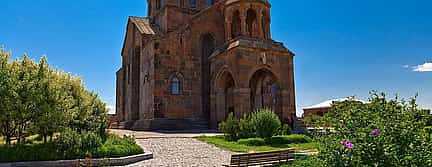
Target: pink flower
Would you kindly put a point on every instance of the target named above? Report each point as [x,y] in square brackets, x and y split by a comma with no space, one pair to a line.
[349,145]
[343,142]
[376,132]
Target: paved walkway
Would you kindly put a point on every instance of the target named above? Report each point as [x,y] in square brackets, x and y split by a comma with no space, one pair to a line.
[165,134]
[182,152]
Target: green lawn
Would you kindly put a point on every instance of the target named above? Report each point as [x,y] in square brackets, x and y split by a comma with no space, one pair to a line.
[219,141]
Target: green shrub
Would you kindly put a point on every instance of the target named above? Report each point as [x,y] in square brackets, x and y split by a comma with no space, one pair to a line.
[69,144]
[21,152]
[252,142]
[290,139]
[380,133]
[118,147]
[285,130]
[230,127]
[266,123]
[246,127]
[90,142]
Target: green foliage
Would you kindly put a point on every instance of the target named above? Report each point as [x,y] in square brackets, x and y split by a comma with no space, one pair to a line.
[252,142]
[290,139]
[37,99]
[285,130]
[248,145]
[246,127]
[230,127]
[69,144]
[118,147]
[314,121]
[24,152]
[380,133]
[266,123]
[68,147]
[309,161]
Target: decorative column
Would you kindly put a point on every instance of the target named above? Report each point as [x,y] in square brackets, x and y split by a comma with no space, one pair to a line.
[260,27]
[228,32]
[268,28]
[242,101]
[243,22]
[218,108]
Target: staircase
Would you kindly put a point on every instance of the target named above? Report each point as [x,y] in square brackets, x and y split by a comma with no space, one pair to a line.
[300,127]
[170,124]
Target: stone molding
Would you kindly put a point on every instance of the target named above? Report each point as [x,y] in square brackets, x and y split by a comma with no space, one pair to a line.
[84,162]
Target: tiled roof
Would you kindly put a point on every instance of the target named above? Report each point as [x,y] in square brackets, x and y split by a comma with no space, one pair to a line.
[143,25]
[329,103]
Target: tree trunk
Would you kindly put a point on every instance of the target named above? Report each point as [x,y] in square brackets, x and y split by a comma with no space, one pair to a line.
[45,138]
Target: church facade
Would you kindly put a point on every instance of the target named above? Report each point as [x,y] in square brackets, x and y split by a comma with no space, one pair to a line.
[191,62]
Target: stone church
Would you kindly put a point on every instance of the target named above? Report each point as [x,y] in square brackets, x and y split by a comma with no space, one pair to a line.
[191,62]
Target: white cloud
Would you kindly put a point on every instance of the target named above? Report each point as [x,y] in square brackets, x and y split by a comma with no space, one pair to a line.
[110,110]
[406,66]
[426,67]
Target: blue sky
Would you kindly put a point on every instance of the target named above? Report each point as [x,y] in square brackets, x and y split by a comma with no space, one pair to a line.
[343,47]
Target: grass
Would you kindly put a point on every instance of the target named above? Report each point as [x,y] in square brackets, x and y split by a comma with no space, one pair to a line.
[38,151]
[219,141]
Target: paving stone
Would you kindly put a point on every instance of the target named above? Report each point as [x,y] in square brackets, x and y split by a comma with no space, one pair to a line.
[182,152]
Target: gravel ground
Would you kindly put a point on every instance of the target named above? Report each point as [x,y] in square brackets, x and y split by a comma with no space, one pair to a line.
[182,152]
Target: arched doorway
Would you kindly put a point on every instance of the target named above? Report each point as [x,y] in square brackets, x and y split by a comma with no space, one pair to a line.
[265,91]
[225,86]
[207,48]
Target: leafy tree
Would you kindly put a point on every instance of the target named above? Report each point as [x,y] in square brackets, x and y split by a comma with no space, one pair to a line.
[24,102]
[37,99]
[53,101]
[7,124]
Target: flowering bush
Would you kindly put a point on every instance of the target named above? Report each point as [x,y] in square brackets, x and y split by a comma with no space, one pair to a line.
[380,133]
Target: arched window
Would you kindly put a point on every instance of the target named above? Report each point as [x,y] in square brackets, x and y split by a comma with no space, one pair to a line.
[236,25]
[250,20]
[192,3]
[210,2]
[175,86]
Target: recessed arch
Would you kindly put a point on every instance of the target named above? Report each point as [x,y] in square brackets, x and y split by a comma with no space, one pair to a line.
[236,24]
[225,97]
[265,91]
[251,17]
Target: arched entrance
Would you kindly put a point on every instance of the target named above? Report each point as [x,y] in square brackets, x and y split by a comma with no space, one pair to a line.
[225,86]
[265,91]
[207,48]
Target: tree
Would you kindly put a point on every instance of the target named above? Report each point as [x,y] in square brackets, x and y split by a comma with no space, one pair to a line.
[37,99]
[7,124]
[25,93]
[53,101]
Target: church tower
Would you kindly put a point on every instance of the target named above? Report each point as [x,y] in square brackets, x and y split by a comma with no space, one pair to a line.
[169,14]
